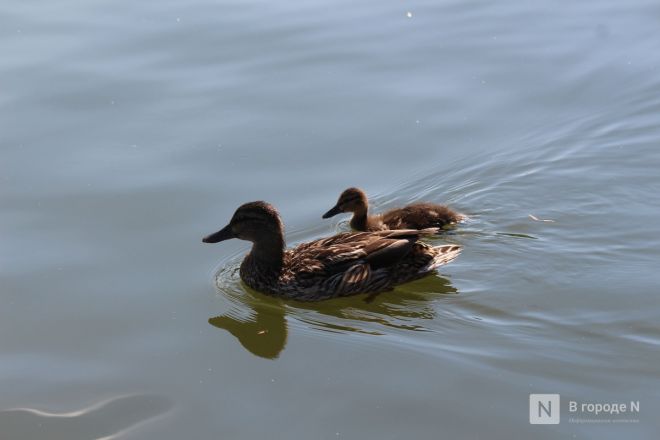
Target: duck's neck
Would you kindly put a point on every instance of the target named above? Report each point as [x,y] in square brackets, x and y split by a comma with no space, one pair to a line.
[268,254]
[359,220]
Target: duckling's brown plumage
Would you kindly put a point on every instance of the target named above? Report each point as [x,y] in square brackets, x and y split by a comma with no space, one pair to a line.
[414,216]
[345,264]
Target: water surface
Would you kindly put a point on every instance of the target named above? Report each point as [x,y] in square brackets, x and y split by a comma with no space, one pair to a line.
[130,130]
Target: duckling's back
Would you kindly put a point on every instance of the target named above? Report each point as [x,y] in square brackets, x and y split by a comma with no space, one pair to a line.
[420,216]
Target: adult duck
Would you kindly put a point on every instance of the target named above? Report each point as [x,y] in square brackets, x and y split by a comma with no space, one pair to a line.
[345,264]
[415,216]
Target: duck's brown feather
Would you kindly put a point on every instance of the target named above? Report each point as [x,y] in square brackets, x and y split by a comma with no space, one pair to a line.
[350,263]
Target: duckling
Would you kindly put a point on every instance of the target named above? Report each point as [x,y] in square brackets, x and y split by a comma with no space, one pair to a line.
[415,216]
[345,264]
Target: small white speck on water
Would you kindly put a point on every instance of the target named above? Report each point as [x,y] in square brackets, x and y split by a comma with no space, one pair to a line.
[178,20]
[134,146]
[409,14]
[112,102]
[536,219]
[417,121]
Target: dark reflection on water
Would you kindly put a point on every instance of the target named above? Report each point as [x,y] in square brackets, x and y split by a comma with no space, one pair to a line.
[102,420]
[259,322]
[264,333]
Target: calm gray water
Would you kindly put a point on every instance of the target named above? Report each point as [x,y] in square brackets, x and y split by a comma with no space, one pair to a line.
[129,130]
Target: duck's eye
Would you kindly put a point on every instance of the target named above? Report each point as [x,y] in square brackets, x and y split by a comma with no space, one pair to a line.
[249,219]
[244,219]
[350,200]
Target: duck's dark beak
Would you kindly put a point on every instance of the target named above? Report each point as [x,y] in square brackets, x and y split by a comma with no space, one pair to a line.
[334,211]
[223,234]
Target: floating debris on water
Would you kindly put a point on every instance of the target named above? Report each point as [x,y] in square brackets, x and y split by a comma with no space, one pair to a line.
[536,219]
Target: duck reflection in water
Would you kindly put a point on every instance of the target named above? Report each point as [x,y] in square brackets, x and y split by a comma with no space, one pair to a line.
[264,331]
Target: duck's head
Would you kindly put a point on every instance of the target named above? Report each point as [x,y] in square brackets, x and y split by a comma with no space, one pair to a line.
[351,200]
[254,221]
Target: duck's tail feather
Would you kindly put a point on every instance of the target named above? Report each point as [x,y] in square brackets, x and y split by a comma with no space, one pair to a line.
[444,254]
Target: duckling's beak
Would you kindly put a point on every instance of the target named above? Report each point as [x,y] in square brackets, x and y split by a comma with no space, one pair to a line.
[334,211]
[223,234]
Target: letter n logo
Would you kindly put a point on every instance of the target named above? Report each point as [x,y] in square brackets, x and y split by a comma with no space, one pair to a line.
[544,409]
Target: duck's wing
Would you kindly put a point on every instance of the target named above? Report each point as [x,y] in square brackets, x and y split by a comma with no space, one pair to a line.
[358,262]
[354,255]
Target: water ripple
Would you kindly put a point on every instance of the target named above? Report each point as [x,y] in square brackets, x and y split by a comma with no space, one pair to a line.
[108,419]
